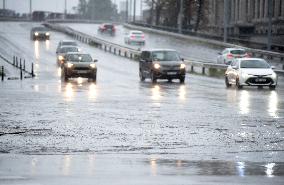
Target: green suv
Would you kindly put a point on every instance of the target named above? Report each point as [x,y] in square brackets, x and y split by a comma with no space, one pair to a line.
[79,65]
[161,64]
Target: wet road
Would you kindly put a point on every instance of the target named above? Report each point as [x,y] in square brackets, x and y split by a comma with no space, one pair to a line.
[182,131]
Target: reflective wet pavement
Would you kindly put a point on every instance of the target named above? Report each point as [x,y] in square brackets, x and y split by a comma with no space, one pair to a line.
[196,133]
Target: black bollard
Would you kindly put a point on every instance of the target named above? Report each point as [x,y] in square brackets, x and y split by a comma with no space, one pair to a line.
[21,71]
[24,66]
[32,72]
[14,59]
[2,74]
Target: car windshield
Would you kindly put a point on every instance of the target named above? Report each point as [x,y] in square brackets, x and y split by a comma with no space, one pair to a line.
[109,26]
[69,43]
[254,64]
[80,58]
[165,56]
[238,52]
[40,29]
[68,49]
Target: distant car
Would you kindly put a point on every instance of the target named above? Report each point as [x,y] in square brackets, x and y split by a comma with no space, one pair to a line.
[250,72]
[79,65]
[63,51]
[107,28]
[66,43]
[228,54]
[134,36]
[161,64]
[40,33]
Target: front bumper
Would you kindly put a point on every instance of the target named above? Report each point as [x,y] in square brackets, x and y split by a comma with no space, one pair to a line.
[80,72]
[259,81]
[172,74]
[41,37]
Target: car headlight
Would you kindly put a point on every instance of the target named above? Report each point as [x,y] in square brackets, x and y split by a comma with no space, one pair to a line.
[47,34]
[157,66]
[274,75]
[60,57]
[69,65]
[182,66]
[36,33]
[93,66]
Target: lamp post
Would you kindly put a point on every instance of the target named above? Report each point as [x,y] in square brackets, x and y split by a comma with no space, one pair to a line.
[225,20]
[180,17]
[269,34]
[134,10]
[4,4]
[65,9]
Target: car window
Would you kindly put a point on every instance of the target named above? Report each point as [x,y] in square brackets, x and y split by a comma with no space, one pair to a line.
[165,56]
[79,58]
[224,52]
[238,52]
[254,64]
[69,43]
[68,49]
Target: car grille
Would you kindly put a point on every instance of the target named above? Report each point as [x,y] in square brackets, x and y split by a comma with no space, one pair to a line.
[170,68]
[81,68]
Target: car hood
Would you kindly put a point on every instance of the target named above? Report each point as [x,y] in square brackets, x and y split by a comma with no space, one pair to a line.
[257,71]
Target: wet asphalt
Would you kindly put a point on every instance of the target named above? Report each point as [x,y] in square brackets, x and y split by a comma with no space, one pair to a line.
[196,133]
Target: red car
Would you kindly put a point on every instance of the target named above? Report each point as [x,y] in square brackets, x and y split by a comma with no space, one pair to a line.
[107,28]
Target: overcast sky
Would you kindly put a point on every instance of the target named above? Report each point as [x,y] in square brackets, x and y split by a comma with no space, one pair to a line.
[22,6]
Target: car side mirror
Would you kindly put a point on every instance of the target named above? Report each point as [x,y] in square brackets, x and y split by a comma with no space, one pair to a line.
[95,60]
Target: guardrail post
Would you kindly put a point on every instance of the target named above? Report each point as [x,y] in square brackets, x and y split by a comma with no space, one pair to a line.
[21,71]
[131,55]
[125,54]
[2,74]
[14,60]
[32,72]
[24,66]
[114,51]
[105,48]
[20,62]
[203,70]
[119,52]
[192,68]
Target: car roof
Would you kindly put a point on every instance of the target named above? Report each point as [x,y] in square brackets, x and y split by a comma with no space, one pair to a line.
[135,31]
[235,49]
[80,53]
[69,46]
[68,41]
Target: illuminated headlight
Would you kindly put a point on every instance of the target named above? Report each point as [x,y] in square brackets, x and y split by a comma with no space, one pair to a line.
[36,33]
[93,65]
[182,66]
[47,34]
[274,75]
[157,66]
[69,65]
[60,57]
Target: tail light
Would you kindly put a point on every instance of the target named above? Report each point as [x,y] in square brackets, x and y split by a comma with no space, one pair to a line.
[143,36]
[230,55]
[247,55]
[132,37]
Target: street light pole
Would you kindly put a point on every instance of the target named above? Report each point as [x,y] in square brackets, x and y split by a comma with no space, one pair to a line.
[141,10]
[269,35]
[4,4]
[180,17]
[31,9]
[126,11]
[134,10]
[65,9]
[225,20]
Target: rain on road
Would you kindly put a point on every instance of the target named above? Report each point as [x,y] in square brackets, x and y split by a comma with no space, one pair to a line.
[196,126]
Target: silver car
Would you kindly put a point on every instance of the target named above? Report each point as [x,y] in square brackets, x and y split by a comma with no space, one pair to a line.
[228,54]
[135,36]
[250,72]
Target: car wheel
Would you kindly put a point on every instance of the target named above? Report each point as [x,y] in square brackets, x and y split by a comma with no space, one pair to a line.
[94,77]
[64,75]
[141,76]
[272,87]
[227,82]
[181,80]
[153,78]
[238,84]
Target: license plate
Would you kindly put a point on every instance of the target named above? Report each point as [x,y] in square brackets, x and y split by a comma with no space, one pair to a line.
[171,73]
[260,80]
[82,72]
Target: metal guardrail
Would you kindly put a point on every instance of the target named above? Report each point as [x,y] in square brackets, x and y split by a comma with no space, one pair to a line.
[278,57]
[129,52]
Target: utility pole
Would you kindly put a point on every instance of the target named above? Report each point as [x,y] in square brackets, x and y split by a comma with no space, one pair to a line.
[134,10]
[4,4]
[31,9]
[269,35]
[180,17]
[65,9]
[126,11]
[141,10]
[130,10]
[226,20]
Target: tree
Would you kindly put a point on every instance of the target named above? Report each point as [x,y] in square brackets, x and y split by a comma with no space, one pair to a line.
[82,8]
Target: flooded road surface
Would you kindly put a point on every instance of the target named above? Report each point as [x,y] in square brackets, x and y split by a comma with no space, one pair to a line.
[133,132]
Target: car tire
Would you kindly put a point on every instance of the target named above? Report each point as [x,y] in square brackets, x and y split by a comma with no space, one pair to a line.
[238,84]
[153,78]
[141,76]
[227,82]
[272,87]
[64,75]
[181,80]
